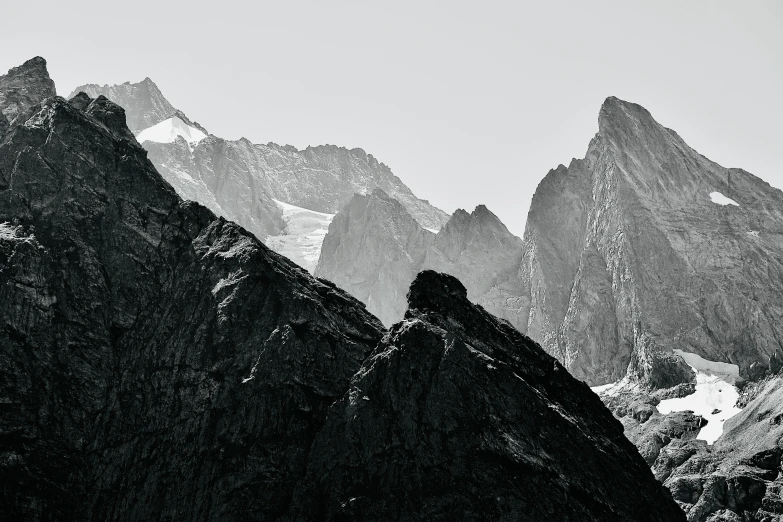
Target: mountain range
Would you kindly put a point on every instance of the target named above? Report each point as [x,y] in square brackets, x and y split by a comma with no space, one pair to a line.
[254,184]
[159,362]
[183,348]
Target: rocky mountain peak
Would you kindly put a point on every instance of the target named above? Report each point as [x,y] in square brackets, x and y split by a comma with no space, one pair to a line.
[23,87]
[437,292]
[144,102]
[456,415]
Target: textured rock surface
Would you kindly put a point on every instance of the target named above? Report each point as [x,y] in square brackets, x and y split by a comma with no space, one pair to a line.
[627,252]
[220,182]
[157,362]
[738,478]
[458,416]
[22,88]
[374,248]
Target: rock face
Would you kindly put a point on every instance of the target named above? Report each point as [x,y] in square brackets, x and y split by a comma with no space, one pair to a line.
[629,251]
[458,416]
[240,180]
[23,88]
[736,479]
[143,102]
[374,249]
[157,362]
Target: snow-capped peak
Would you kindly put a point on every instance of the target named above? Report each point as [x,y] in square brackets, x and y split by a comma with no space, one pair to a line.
[168,130]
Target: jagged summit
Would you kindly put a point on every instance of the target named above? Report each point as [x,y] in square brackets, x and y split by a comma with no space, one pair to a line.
[374,248]
[22,88]
[437,292]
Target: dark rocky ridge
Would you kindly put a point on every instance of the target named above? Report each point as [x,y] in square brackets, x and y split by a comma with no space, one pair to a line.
[22,88]
[159,363]
[457,415]
[374,248]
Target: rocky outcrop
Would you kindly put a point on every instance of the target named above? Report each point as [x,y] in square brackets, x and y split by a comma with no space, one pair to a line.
[457,415]
[157,362]
[143,102]
[629,252]
[21,89]
[374,249]
[738,479]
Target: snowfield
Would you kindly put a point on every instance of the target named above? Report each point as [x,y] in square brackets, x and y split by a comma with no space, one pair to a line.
[305,232]
[715,392]
[168,130]
[720,199]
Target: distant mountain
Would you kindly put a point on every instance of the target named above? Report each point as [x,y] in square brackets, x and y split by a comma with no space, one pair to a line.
[158,362]
[374,249]
[144,104]
[651,265]
[241,180]
[635,247]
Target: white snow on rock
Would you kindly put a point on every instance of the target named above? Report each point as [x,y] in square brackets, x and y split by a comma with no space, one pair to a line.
[7,231]
[168,130]
[720,199]
[602,388]
[305,232]
[715,391]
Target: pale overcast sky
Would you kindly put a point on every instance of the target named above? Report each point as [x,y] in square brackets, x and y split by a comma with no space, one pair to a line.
[467,102]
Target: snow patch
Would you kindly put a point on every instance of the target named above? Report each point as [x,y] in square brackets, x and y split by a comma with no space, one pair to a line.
[305,233]
[720,199]
[433,230]
[167,131]
[604,387]
[7,231]
[715,392]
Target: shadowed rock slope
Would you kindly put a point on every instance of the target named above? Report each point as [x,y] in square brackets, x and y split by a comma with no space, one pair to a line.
[157,362]
[458,416]
[374,248]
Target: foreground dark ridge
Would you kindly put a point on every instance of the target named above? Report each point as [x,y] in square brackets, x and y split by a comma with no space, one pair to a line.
[457,415]
[159,363]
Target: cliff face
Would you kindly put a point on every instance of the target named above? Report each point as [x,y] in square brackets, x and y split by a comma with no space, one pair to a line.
[457,415]
[636,246]
[157,362]
[374,249]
